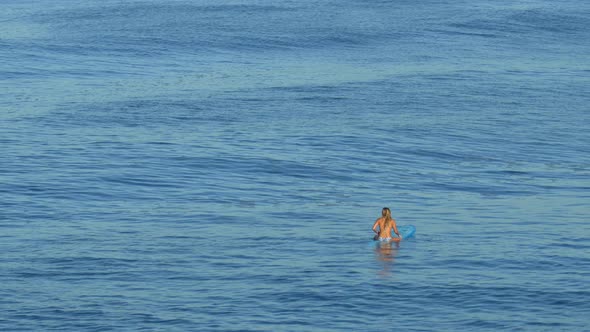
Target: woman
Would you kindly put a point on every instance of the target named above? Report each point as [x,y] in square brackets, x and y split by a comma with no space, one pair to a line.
[385,224]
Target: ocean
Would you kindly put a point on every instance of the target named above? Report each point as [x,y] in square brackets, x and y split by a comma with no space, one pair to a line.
[175,165]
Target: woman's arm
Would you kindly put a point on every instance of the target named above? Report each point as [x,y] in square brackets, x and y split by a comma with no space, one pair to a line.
[375,225]
[395,229]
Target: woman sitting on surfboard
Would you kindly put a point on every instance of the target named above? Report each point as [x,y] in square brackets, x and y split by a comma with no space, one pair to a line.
[385,224]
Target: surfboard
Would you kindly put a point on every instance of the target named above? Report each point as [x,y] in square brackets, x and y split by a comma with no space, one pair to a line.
[406,231]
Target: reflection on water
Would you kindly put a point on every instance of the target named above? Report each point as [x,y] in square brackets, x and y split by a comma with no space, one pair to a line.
[385,252]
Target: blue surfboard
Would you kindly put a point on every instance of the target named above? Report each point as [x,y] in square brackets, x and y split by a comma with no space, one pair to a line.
[406,231]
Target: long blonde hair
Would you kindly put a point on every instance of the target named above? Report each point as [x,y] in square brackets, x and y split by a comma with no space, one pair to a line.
[386,214]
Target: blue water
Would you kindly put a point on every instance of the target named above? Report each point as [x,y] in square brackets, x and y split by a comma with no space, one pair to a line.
[218,165]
